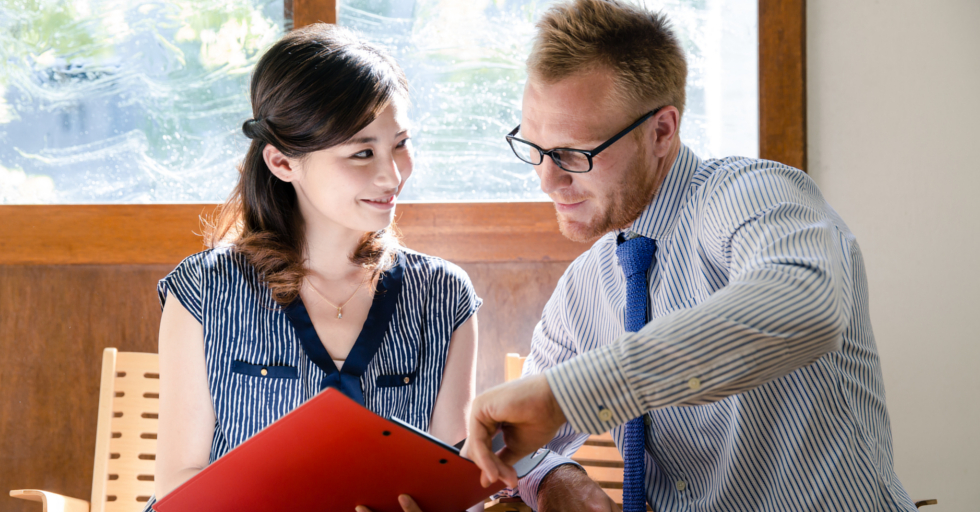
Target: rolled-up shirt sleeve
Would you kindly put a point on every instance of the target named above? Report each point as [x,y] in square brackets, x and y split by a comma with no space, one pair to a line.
[786,303]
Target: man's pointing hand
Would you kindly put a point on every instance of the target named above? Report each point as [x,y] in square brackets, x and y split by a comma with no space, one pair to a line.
[527,413]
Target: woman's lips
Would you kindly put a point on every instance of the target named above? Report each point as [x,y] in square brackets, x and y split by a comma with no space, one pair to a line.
[381,203]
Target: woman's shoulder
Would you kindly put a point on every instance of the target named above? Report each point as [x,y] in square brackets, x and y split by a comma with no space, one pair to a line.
[218,268]
[221,260]
[428,267]
[442,282]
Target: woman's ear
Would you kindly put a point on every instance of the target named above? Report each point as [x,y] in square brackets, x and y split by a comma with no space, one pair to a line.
[281,166]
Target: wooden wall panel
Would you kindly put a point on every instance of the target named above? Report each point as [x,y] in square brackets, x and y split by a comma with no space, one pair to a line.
[166,233]
[54,323]
[514,294]
[56,319]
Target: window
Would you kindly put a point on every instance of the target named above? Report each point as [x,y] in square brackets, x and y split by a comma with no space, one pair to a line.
[142,102]
[126,102]
[465,63]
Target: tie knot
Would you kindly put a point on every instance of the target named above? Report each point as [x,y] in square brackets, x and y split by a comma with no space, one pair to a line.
[636,254]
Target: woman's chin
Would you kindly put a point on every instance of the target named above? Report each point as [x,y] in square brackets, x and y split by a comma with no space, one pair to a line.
[376,220]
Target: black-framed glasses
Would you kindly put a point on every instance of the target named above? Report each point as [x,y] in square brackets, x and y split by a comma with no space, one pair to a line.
[568,159]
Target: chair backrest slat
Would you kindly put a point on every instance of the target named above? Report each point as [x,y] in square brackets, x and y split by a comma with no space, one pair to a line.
[126,443]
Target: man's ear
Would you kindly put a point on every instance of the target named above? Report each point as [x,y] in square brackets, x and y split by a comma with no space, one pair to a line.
[665,127]
[281,166]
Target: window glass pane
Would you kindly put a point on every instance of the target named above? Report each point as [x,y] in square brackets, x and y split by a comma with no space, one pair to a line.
[126,101]
[465,63]
[116,101]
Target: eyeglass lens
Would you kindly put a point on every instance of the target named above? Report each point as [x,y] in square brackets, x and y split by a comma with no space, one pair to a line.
[525,151]
[569,160]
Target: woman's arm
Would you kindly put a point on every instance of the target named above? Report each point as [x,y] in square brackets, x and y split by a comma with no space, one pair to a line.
[186,426]
[448,422]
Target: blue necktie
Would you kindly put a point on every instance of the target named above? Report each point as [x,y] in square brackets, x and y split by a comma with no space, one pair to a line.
[635,256]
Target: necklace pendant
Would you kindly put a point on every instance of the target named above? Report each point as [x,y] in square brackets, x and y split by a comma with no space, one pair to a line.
[340,313]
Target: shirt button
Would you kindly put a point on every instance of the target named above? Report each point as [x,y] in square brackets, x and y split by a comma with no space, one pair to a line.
[605,415]
[406,380]
[681,485]
[694,383]
[264,372]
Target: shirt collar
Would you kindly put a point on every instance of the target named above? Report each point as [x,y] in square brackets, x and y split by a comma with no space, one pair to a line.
[657,219]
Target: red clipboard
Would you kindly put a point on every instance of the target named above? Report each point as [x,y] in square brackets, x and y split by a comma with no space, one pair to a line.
[333,454]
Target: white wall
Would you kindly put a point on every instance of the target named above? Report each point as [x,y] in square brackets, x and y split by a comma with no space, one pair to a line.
[894,133]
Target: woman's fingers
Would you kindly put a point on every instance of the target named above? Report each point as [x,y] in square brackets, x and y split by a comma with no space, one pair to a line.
[406,501]
[408,504]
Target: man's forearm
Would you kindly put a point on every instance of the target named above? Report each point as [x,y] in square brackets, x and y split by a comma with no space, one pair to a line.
[569,488]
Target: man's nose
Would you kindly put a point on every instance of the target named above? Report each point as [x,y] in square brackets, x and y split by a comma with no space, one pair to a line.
[553,178]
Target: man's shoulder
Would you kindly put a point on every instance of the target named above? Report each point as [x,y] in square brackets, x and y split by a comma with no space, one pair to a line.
[739,174]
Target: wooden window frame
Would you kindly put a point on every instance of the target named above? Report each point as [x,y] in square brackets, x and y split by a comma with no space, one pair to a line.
[461,232]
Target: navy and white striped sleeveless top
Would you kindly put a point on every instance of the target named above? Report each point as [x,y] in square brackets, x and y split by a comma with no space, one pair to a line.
[264,360]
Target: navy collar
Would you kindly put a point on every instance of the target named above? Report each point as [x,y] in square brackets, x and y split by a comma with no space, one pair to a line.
[348,379]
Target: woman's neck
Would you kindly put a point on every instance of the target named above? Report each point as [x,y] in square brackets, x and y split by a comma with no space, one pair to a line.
[328,249]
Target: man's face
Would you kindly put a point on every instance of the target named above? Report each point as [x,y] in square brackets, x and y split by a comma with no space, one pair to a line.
[580,112]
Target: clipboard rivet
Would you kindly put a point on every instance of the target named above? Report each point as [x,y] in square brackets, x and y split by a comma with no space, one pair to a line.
[386,433]
[443,461]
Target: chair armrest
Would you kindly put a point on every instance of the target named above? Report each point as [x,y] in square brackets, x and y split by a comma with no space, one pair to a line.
[52,502]
[506,505]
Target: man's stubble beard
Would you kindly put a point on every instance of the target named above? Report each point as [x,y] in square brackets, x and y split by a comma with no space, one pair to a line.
[624,203]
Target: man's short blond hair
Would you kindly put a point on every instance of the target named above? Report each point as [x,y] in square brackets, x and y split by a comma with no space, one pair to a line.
[638,46]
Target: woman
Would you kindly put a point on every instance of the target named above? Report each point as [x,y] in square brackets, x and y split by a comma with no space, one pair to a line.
[306,286]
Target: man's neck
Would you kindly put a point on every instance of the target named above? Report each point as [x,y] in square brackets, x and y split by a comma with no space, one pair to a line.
[666,163]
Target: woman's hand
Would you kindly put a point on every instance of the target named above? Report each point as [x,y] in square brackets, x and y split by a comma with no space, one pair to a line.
[406,501]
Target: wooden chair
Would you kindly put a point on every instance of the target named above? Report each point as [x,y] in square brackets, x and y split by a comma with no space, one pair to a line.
[125,443]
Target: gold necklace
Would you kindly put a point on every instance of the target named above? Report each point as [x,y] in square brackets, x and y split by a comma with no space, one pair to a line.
[340,308]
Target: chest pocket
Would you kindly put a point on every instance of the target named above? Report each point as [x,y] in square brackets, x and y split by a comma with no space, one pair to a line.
[255,396]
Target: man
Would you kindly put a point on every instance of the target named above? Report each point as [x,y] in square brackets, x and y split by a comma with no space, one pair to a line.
[752,381]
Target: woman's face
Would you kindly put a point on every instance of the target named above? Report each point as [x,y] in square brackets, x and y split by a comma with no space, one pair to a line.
[355,185]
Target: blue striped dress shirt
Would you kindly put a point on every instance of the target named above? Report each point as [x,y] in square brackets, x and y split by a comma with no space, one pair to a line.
[758,372]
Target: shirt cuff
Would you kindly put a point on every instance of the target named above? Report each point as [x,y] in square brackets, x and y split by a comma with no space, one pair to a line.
[593,392]
[527,487]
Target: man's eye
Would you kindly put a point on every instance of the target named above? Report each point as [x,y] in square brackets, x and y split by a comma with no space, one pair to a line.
[367,153]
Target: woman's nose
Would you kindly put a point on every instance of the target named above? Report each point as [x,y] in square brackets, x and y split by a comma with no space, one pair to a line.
[388,176]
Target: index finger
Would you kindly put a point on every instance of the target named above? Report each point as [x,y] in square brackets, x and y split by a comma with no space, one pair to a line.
[481,452]
[479,449]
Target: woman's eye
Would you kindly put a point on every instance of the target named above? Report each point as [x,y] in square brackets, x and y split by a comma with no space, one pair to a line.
[367,153]
[403,142]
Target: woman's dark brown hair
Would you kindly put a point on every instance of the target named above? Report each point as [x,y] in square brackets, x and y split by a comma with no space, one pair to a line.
[314,89]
